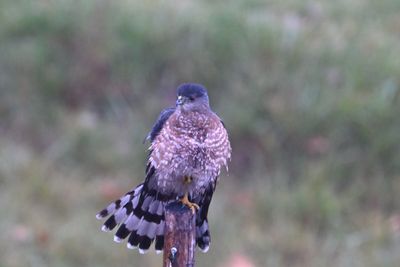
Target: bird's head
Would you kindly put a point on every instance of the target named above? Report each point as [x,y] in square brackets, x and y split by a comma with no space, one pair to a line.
[192,97]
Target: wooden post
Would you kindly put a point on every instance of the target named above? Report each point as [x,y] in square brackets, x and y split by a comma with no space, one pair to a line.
[179,236]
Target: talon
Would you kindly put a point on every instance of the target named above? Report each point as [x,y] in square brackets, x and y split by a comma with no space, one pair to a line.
[193,206]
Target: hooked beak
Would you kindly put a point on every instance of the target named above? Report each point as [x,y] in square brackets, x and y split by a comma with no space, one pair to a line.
[181,100]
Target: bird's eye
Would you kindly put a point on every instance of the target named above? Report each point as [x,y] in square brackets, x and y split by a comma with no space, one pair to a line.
[191,98]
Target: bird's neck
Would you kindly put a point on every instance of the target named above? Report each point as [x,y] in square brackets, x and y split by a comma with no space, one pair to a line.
[200,109]
[194,119]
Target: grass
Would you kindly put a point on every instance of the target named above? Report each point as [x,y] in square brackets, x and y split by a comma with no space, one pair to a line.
[308,90]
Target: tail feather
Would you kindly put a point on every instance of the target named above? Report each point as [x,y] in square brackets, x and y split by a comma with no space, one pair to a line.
[203,236]
[114,206]
[139,215]
[159,243]
[122,232]
[133,240]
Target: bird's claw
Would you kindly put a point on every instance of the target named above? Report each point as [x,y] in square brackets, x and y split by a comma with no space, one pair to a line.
[192,206]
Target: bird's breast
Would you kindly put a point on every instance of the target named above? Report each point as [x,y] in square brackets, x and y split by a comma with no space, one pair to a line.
[191,145]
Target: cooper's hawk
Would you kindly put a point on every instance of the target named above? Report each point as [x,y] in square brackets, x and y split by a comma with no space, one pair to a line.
[189,145]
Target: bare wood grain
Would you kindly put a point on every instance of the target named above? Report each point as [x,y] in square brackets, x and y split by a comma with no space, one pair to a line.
[179,236]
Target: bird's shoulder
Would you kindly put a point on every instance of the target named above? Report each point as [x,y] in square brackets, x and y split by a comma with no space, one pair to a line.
[159,124]
[217,120]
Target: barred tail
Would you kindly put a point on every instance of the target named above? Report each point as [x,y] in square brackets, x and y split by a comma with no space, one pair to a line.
[140,215]
[202,234]
[203,238]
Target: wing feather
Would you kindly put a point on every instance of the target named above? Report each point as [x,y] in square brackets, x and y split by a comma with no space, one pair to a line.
[162,118]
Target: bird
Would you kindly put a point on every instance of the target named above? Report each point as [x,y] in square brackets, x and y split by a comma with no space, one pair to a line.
[189,145]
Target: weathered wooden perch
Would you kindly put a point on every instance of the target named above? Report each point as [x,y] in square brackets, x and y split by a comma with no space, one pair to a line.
[179,236]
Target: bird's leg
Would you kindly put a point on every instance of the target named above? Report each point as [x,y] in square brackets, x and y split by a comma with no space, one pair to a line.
[185,199]
[187,179]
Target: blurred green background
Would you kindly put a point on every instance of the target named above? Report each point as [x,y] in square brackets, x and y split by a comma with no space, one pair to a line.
[309,91]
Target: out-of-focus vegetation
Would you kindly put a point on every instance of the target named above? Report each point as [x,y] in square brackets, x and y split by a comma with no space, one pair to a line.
[309,90]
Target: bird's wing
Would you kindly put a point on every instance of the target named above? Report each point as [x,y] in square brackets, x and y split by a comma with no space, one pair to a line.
[158,125]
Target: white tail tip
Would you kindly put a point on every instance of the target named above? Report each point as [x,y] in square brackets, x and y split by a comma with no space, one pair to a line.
[128,245]
[204,250]
[105,229]
[143,251]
